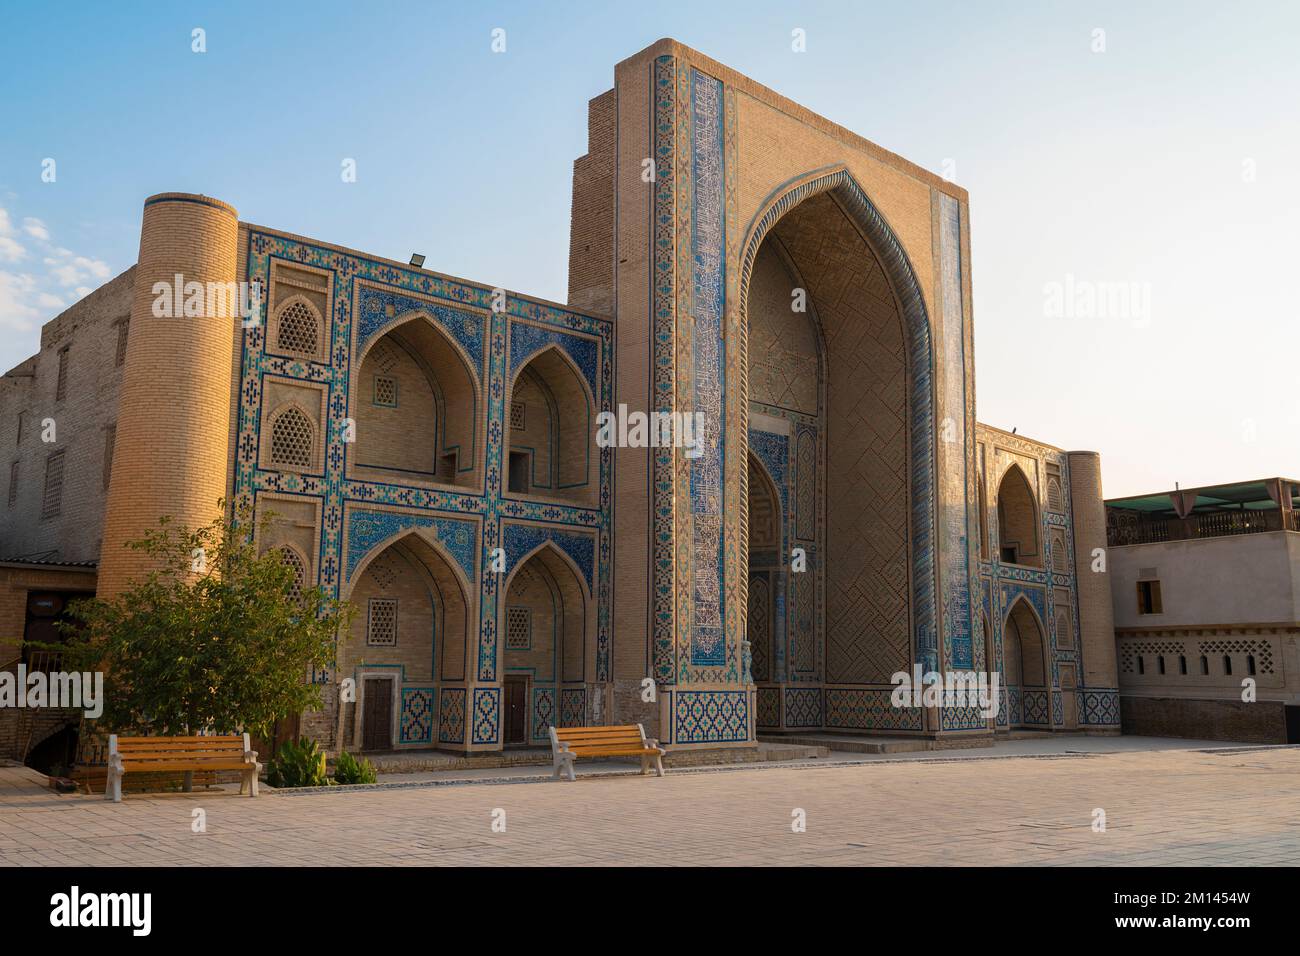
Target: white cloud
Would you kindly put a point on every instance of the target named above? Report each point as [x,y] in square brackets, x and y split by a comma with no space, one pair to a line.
[36,229]
[10,251]
[16,312]
[29,298]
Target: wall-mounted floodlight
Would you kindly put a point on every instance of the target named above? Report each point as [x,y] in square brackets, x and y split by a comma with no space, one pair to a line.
[417,260]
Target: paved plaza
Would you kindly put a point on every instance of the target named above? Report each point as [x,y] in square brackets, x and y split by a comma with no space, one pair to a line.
[1229,806]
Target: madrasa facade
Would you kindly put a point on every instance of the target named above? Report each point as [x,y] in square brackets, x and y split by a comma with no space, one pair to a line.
[430,450]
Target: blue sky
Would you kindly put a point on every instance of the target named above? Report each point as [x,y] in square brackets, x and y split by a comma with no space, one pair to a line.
[1164,163]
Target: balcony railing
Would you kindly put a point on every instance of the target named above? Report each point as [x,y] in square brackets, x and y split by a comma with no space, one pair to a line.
[1128,527]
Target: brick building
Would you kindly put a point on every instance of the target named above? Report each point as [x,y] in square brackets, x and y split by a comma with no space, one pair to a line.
[733,255]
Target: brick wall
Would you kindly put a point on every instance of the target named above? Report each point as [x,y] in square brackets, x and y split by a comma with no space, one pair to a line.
[82,423]
[1263,722]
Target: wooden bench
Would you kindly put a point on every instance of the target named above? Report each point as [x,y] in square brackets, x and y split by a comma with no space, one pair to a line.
[569,743]
[179,755]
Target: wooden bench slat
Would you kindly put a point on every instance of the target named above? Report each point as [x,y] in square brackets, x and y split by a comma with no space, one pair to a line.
[197,755]
[628,740]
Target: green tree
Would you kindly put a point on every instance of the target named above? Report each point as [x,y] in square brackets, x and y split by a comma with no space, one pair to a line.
[217,638]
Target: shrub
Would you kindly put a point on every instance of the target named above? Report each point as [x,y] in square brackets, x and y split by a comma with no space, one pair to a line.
[348,769]
[300,764]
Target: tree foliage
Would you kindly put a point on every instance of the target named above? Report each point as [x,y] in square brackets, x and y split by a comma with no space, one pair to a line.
[218,638]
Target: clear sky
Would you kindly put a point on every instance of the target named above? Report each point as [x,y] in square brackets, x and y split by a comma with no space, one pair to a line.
[1164,166]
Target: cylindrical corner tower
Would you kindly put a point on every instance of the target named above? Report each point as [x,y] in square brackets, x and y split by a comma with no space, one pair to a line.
[171,454]
[1091,572]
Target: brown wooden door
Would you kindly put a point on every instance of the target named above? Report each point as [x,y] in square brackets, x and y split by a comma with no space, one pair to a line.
[516,710]
[377,715]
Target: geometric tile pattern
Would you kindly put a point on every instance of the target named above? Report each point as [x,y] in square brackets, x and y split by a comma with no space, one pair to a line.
[803,707]
[366,297]
[451,716]
[573,707]
[487,710]
[417,715]
[543,712]
[710,716]
[1100,707]
[868,709]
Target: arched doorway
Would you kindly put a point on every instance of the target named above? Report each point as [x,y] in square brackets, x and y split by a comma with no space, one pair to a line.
[411,626]
[544,651]
[1018,534]
[551,418]
[1025,667]
[767,574]
[415,407]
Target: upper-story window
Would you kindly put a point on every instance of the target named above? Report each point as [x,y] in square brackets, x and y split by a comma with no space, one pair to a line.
[61,383]
[298,328]
[1018,536]
[52,499]
[123,330]
[1148,597]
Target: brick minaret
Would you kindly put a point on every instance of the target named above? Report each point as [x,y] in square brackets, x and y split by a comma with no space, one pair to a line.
[172,451]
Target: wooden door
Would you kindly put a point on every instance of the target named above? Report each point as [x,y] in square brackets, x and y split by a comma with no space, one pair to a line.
[516,715]
[377,716]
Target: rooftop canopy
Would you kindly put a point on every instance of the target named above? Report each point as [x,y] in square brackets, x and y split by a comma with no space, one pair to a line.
[1264,494]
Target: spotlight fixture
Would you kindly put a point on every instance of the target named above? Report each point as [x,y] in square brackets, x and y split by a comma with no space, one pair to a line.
[417,260]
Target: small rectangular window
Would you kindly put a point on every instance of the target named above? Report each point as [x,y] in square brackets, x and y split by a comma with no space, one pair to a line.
[110,439]
[123,327]
[22,420]
[52,500]
[517,419]
[519,462]
[61,384]
[13,484]
[1148,595]
[386,391]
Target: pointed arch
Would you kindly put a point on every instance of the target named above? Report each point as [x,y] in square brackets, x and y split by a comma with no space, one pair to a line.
[1019,532]
[415,397]
[1022,625]
[547,627]
[551,426]
[802,210]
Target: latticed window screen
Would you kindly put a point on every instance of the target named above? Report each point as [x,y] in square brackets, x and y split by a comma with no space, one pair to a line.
[517,416]
[293,440]
[386,390]
[52,500]
[1055,499]
[519,629]
[299,329]
[61,385]
[290,557]
[381,624]
[123,330]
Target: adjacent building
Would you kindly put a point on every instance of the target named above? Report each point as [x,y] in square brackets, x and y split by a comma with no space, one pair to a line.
[1206,589]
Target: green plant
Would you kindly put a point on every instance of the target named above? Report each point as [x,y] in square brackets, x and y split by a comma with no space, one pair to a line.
[218,637]
[348,769]
[298,764]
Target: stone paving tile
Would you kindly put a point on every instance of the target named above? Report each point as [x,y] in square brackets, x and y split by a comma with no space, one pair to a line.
[1163,808]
